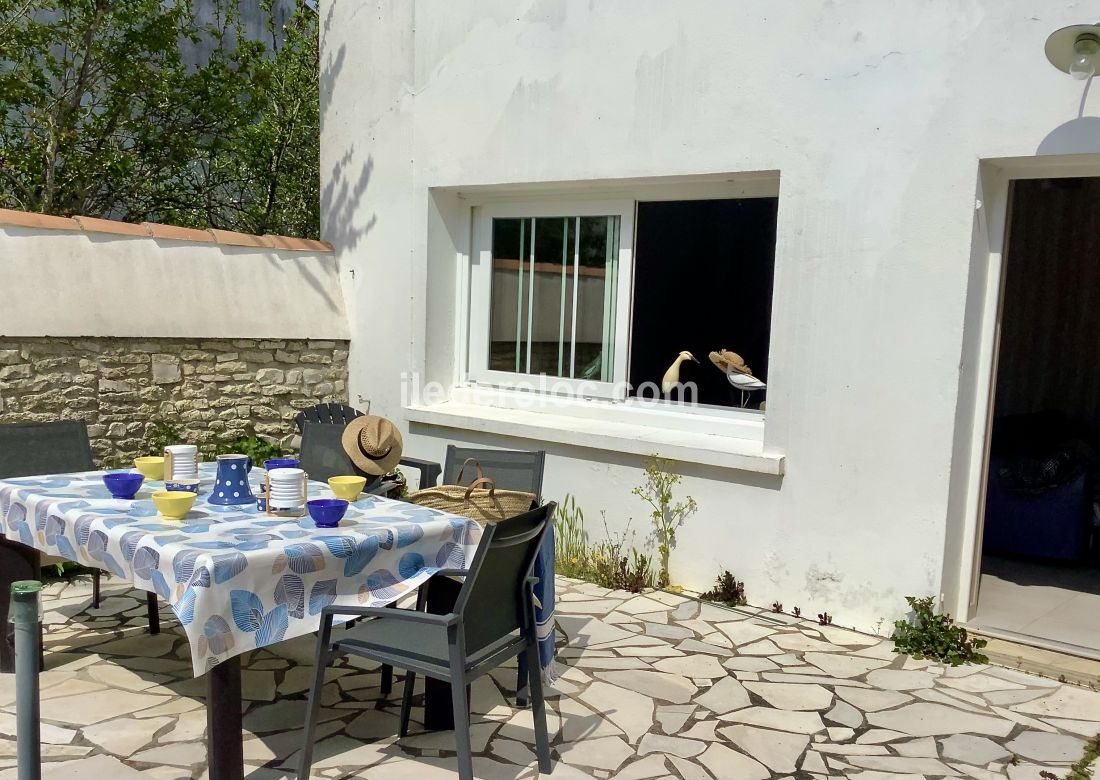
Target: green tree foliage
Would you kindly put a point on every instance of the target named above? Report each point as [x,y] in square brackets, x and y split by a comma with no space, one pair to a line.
[102,114]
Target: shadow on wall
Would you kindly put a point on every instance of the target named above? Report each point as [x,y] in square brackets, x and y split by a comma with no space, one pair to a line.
[343,191]
[1077,136]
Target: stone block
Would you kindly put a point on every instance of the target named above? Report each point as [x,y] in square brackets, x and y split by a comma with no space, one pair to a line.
[22,371]
[315,357]
[166,373]
[294,376]
[256,356]
[286,357]
[312,376]
[232,367]
[244,343]
[227,356]
[271,344]
[9,356]
[322,344]
[323,389]
[116,430]
[270,376]
[116,386]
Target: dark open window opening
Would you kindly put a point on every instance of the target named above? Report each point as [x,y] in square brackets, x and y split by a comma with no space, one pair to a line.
[703,272]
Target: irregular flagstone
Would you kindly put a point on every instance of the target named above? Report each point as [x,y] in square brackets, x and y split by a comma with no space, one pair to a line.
[878,736]
[749,664]
[659,685]
[798,641]
[54,735]
[743,632]
[116,676]
[1023,720]
[703,729]
[687,769]
[813,762]
[972,749]
[629,710]
[1008,698]
[643,769]
[88,708]
[123,736]
[840,733]
[899,679]
[595,607]
[726,764]
[668,631]
[510,751]
[695,646]
[901,764]
[189,726]
[845,714]
[654,617]
[956,699]
[847,637]
[925,719]
[685,611]
[601,753]
[641,604]
[792,696]
[779,751]
[1039,746]
[648,651]
[612,663]
[1083,727]
[763,647]
[578,722]
[797,722]
[724,696]
[672,717]
[692,666]
[789,676]
[871,700]
[843,665]
[180,754]
[925,747]
[851,750]
[1064,702]
[589,631]
[677,746]
[980,683]
[92,767]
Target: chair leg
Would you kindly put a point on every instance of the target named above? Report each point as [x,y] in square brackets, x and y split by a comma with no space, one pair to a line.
[387,679]
[406,702]
[323,656]
[462,724]
[153,608]
[96,575]
[521,680]
[538,707]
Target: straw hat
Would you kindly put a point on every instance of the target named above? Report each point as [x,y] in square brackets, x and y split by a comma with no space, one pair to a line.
[373,444]
[730,362]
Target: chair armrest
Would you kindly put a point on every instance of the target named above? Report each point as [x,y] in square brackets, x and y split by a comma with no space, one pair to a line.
[429,470]
[389,613]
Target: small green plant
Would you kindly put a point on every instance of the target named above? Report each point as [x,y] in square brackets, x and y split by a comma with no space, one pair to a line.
[1082,769]
[64,571]
[824,619]
[777,606]
[611,563]
[727,590]
[161,435]
[255,447]
[660,479]
[797,611]
[935,636]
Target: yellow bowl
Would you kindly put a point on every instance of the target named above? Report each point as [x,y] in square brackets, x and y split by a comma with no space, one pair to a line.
[347,488]
[175,504]
[152,467]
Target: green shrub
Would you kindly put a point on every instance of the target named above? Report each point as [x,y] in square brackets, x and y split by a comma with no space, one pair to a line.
[660,479]
[612,563]
[256,447]
[727,590]
[935,636]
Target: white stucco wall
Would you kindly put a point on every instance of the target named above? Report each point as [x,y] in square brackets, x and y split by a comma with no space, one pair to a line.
[875,114]
[68,283]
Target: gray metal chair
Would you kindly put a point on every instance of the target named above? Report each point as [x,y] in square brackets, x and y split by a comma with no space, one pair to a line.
[327,414]
[34,449]
[484,630]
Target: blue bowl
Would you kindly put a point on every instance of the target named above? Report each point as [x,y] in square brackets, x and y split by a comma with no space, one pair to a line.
[327,512]
[281,463]
[123,484]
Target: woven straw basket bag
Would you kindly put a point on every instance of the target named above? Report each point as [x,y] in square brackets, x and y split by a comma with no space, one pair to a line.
[480,500]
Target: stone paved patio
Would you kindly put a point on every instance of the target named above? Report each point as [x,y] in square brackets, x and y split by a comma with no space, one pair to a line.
[653,686]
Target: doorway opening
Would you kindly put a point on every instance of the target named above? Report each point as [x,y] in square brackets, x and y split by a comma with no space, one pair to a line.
[1040,556]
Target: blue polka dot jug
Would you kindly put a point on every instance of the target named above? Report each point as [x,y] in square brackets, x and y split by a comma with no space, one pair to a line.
[231,485]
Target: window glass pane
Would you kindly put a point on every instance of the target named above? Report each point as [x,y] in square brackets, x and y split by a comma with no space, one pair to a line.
[597,267]
[508,321]
[541,267]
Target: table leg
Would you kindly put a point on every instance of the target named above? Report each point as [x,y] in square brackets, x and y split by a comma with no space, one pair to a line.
[224,729]
[153,608]
[17,562]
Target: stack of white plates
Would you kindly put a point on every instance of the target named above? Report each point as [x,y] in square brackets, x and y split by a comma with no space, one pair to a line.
[185,461]
[287,488]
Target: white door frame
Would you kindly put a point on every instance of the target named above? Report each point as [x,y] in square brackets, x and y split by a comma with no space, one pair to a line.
[978,367]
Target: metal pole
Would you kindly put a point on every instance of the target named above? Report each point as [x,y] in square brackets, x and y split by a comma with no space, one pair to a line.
[28,640]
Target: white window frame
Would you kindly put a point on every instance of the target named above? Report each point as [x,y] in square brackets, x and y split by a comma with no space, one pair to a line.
[481,284]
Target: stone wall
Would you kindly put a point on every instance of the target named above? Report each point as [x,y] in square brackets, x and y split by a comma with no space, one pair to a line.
[210,390]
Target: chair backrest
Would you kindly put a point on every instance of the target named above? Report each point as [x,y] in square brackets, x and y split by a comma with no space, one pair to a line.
[509,469]
[327,414]
[491,600]
[33,449]
[322,454]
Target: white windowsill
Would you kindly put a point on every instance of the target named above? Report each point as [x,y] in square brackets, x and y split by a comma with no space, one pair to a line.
[602,434]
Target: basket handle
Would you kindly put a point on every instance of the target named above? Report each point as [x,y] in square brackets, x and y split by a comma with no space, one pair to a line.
[479,482]
[458,479]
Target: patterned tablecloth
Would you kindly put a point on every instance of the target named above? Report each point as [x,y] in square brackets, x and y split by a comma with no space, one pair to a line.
[235,578]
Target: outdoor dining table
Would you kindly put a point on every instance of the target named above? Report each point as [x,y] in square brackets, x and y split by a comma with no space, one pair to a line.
[236,578]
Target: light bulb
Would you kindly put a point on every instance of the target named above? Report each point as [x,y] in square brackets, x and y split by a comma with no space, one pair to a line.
[1084,52]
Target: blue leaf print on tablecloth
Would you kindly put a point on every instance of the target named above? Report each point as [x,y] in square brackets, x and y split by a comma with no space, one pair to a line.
[340,546]
[386,538]
[97,545]
[201,578]
[55,527]
[274,627]
[409,534]
[410,565]
[39,482]
[291,591]
[160,585]
[247,546]
[216,635]
[321,595]
[293,533]
[112,565]
[383,585]
[145,561]
[211,545]
[65,548]
[450,556]
[163,539]
[183,565]
[228,566]
[185,607]
[248,610]
[365,550]
[129,543]
[304,558]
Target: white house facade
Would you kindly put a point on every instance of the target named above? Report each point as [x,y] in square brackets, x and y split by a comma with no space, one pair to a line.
[863,152]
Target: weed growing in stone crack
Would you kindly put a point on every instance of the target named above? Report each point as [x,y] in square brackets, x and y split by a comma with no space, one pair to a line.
[824,619]
[935,636]
[727,590]
[797,612]
[777,606]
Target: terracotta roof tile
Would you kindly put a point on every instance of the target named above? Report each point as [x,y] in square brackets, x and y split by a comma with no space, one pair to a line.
[157,230]
[33,220]
[96,225]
